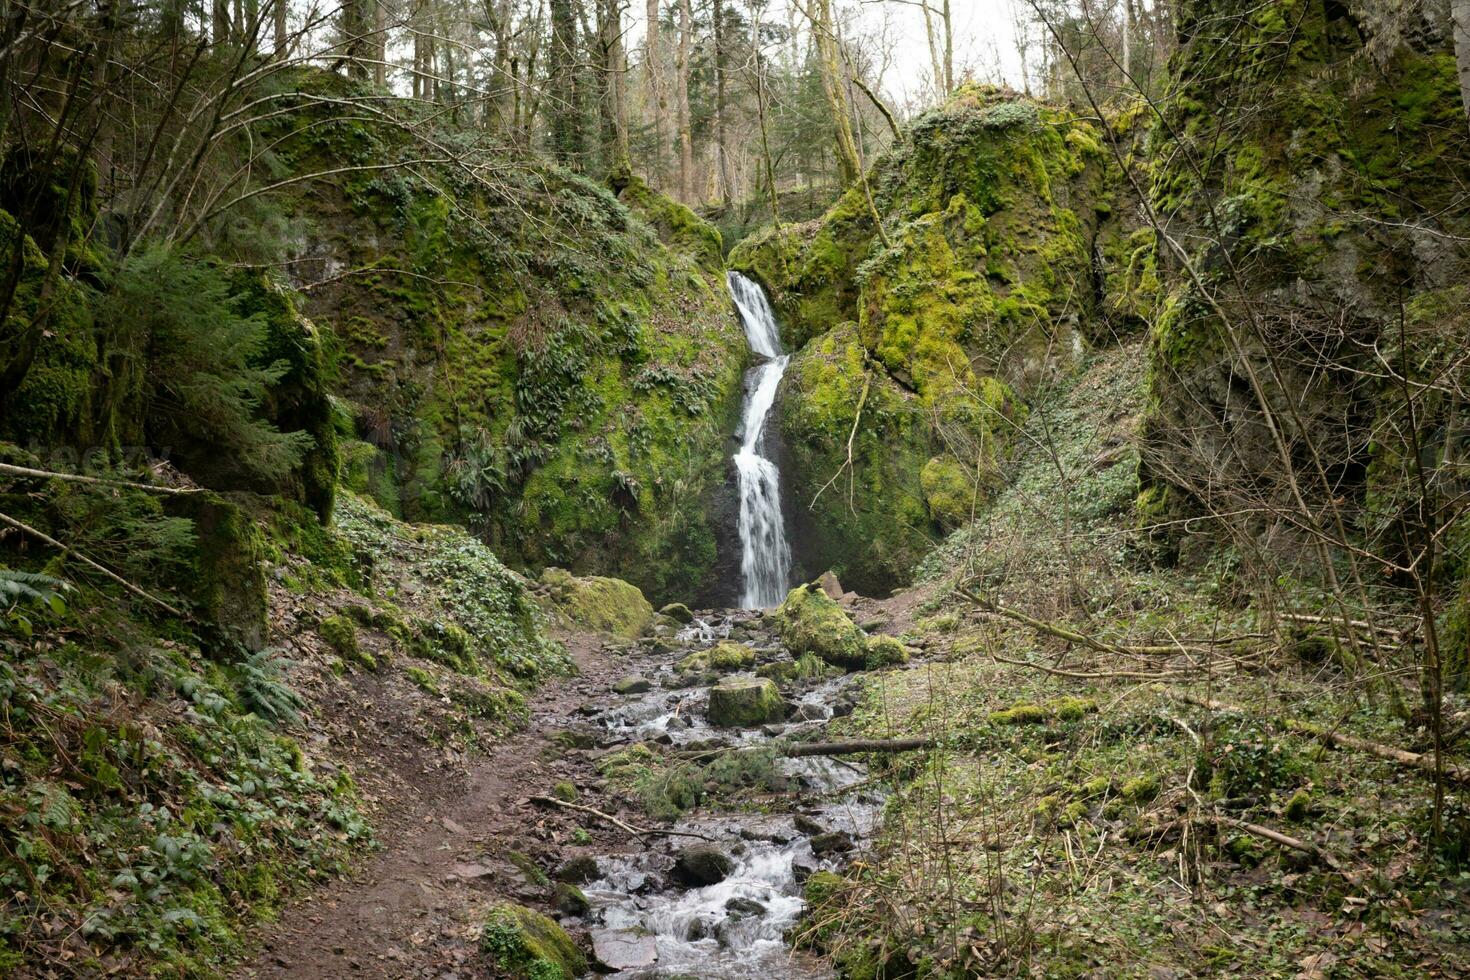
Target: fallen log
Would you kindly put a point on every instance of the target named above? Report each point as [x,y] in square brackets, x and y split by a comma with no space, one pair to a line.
[1413,760]
[857,746]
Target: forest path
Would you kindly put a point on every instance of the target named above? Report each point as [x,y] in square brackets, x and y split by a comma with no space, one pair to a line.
[446,839]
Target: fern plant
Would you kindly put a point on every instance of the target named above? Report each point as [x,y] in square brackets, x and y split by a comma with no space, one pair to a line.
[19,589]
[260,680]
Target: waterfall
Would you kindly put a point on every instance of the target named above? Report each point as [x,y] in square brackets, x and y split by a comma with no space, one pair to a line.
[765,555]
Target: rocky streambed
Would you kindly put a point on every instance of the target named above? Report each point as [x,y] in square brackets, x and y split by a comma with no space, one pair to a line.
[716,892]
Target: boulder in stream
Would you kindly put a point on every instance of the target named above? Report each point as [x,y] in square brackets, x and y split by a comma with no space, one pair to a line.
[811,622]
[678,612]
[520,942]
[622,949]
[702,864]
[633,684]
[745,702]
[723,657]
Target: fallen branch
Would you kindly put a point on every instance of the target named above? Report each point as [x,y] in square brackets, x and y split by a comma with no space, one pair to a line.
[1403,757]
[65,550]
[1063,633]
[1093,675]
[857,746]
[1275,836]
[620,824]
[93,480]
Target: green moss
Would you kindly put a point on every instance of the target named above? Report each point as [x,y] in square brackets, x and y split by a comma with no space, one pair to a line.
[1298,807]
[724,656]
[565,792]
[340,634]
[1071,708]
[1020,714]
[607,605]
[422,679]
[885,651]
[812,623]
[226,583]
[526,945]
[1140,789]
[744,703]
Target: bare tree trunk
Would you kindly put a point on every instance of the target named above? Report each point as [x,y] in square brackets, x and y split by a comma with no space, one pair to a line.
[219,21]
[681,85]
[655,96]
[849,167]
[565,125]
[948,21]
[722,144]
[380,43]
[278,9]
[935,64]
[1460,14]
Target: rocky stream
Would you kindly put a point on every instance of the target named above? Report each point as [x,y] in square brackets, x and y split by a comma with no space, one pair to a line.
[717,895]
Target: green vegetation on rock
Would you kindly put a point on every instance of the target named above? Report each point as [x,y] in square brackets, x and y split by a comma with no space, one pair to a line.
[811,622]
[526,945]
[606,605]
[745,702]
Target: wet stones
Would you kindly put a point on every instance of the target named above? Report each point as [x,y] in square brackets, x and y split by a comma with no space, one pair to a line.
[633,684]
[569,900]
[701,865]
[834,842]
[745,702]
[620,949]
[579,870]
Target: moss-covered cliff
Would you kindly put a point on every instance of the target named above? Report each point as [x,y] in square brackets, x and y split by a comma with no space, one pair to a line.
[552,361]
[1314,234]
[988,280]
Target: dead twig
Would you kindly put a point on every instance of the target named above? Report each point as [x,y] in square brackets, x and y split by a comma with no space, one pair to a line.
[620,824]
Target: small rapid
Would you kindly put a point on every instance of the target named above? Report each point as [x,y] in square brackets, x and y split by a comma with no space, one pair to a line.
[737,928]
[765,554]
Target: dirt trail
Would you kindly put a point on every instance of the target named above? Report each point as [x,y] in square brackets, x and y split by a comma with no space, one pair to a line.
[411,909]
[458,832]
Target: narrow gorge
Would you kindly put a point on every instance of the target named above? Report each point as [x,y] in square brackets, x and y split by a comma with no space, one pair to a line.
[714,490]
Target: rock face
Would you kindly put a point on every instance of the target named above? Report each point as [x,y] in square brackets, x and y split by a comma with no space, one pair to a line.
[745,702]
[701,865]
[1313,217]
[811,622]
[607,605]
[997,217]
[551,381]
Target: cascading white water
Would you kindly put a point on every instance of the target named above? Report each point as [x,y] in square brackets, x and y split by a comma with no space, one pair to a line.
[765,555]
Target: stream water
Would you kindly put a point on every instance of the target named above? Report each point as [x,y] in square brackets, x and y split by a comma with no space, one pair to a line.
[765,554]
[735,929]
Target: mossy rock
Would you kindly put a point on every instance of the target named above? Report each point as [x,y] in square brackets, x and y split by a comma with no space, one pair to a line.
[526,945]
[723,657]
[811,622]
[678,612]
[570,900]
[886,651]
[340,633]
[745,702]
[1140,789]
[1072,708]
[606,605]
